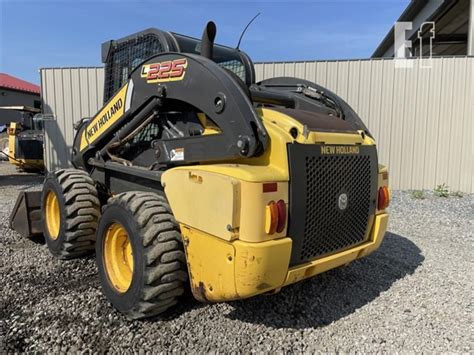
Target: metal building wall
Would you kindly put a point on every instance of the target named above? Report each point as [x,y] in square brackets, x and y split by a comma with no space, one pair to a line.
[68,94]
[421,118]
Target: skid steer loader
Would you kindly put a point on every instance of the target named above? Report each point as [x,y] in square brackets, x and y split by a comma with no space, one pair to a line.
[25,139]
[193,173]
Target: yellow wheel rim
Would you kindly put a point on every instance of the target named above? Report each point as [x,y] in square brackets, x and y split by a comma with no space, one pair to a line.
[118,257]
[52,215]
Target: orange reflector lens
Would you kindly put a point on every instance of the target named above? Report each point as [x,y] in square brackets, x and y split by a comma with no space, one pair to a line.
[387,196]
[271,218]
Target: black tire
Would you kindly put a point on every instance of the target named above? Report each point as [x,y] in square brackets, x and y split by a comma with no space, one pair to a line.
[79,210]
[159,262]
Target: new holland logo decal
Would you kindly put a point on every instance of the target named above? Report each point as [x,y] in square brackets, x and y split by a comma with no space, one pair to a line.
[106,117]
[171,70]
[339,149]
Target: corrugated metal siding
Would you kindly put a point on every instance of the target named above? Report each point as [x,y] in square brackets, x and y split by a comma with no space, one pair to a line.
[69,94]
[421,118]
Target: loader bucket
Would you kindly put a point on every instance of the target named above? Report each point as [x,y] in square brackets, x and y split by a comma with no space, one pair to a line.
[26,215]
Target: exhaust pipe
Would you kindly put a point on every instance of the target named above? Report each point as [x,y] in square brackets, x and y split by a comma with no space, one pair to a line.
[207,41]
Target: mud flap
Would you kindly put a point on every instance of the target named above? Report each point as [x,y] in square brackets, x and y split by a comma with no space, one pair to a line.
[26,215]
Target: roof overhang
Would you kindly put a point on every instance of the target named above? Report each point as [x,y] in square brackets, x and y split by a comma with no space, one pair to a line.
[21,109]
[422,11]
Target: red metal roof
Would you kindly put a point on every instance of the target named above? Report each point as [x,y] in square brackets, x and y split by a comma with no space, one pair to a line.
[10,82]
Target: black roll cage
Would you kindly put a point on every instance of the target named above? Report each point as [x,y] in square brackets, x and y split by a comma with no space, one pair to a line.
[170,42]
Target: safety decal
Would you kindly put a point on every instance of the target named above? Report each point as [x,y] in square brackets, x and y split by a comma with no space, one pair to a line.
[177,154]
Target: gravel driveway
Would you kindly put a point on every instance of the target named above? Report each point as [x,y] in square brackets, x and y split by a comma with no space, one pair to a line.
[415,293]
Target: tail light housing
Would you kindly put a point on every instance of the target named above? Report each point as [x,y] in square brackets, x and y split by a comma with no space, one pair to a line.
[275,217]
[383,198]
[281,207]
[11,131]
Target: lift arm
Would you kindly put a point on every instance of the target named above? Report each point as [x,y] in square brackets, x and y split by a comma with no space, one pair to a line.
[192,80]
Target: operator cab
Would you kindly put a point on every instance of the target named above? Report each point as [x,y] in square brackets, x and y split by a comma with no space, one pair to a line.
[122,56]
[176,119]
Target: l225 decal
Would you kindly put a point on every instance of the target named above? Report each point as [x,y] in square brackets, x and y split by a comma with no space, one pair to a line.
[170,70]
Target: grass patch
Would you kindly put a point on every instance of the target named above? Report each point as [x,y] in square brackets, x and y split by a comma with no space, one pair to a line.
[458,194]
[418,194]
[441,190]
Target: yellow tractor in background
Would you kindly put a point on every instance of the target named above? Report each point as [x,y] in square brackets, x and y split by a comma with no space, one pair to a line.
[25,139]
[195,175]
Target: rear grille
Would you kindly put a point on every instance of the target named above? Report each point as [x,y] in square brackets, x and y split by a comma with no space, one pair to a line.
[29,149]
[327,228]
[319,223]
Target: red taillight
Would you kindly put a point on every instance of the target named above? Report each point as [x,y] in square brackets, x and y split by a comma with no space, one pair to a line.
[275,217]
[11,131]
[281,207]
[383,198]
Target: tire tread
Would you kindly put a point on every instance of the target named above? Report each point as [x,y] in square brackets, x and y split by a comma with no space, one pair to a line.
[82,211]
[165,260]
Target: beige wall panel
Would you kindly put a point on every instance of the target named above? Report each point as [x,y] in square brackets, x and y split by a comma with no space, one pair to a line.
[455,134]
[467,152]
[289,69]
[432,124]
[279,69]
[370,99]
[353,85]
[321,73]
[69,94]
[331,75]
[310,72]
[364,97]
[386,96]
[300,70]
[396,126]
[421,119]
[444,122]
[342,80]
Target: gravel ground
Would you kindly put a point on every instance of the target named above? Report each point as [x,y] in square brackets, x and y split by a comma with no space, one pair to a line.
[414,294]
